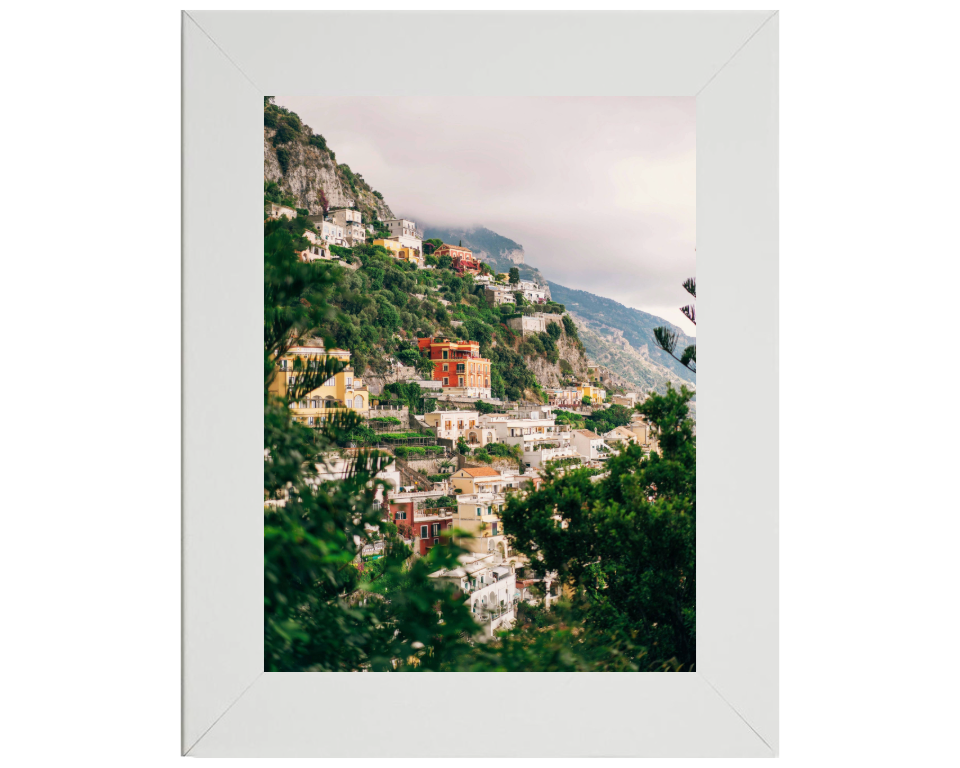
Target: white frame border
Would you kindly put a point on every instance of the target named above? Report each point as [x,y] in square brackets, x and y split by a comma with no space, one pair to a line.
[729,61]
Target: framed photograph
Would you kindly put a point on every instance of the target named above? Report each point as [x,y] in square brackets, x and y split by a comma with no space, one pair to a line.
[471,334]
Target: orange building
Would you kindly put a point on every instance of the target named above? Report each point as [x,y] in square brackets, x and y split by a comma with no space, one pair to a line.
[458,365]
[463,260]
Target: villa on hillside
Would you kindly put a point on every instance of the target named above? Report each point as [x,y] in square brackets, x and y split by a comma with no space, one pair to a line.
[342,390]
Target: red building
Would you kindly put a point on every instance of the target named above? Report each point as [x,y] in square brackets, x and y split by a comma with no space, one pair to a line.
[426,526]
[463,259]
[458,364]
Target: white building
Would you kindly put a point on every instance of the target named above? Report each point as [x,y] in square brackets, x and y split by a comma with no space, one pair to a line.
[276,211]
[452,425]
[332,233]
[535,431]
[588,444]
[405,232]
[489,589]
[336,467]
[629,399]
[351,222]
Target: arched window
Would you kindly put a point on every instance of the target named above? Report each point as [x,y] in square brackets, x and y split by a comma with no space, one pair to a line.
[358,403]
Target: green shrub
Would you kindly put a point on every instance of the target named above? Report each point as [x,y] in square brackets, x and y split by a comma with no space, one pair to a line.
[318,141]
[283,158]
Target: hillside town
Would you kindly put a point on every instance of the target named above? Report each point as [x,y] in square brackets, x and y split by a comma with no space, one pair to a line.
[455,466]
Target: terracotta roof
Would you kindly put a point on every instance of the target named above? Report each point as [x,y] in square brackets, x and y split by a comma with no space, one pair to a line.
[587,433]
[480,471]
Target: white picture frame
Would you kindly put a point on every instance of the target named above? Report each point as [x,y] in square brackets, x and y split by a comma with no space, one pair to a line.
[729,61]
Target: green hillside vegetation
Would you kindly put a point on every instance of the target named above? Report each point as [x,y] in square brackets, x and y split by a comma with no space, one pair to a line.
[485,244]
[380,309]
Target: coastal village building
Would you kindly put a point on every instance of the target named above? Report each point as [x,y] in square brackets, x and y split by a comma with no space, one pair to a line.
[458,365]
[405,232]
[317,249]
[619,437]
[350,222]
[565,397]
[645,434]
[277,210]
[478,514]
[332,233]
[472,480]
[424,525]
[488,588]
[596,394]
[343,390]
[462,258]
[588,444]
[629,399]
[400,251]
[536,432]
[536,323]
[496,295]
[532,292]
[452,425]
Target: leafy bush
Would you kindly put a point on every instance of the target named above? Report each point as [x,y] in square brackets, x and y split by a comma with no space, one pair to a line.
[269,118]
[570,327]
[404,451]
[565,368]
[287,131]
[318,141]
[283,158]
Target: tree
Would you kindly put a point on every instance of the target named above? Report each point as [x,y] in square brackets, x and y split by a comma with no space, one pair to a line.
[625,545]
[325,608]
[667,338]
[462,445]
[587,400]
[514,275]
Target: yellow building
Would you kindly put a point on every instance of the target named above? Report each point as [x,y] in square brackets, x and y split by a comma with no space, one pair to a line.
[391,245]
[478,515]
[343,390]
[472,480]
[402,252]
[596,394]
[413,255]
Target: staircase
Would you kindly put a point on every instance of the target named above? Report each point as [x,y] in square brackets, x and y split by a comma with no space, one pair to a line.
[411,476]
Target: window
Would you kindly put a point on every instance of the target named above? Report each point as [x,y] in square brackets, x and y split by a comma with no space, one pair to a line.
[436,541]
[402,515]
[446,367]
[329,382]
[349,402]
[444,354]
[446,381]
[436,529]
[349,381]
[423,531]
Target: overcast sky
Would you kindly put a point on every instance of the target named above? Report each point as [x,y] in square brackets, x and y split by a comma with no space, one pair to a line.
[600,192]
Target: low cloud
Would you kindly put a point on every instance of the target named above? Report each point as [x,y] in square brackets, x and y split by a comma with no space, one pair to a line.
[601,192]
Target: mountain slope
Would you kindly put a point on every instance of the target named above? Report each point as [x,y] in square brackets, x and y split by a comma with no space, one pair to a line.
[624,336]
[302,164]
[498,251]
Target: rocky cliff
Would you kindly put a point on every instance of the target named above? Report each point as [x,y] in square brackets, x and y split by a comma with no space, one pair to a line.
[300,162]
[550,375]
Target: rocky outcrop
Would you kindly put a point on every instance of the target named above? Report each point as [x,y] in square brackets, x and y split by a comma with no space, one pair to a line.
[310,169]
[549,375]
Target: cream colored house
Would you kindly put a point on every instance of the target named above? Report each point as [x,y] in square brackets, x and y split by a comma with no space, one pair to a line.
[452,425]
